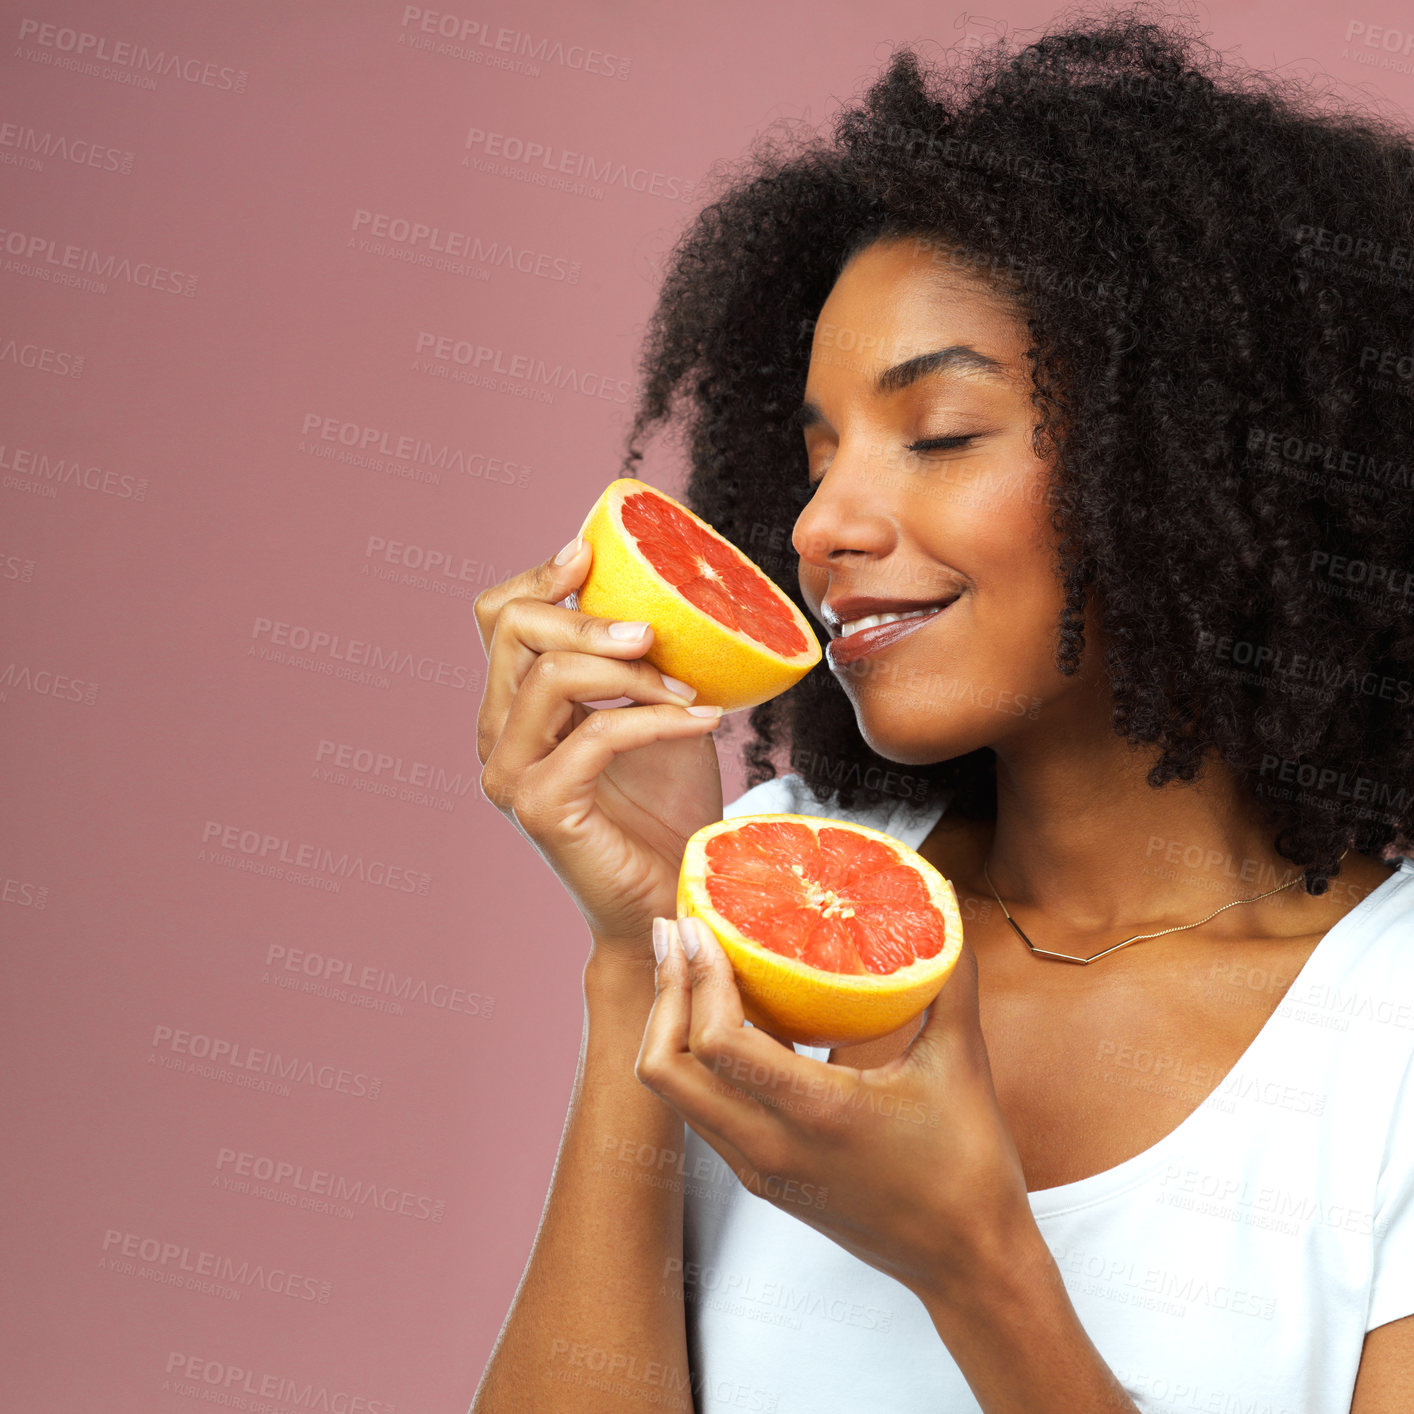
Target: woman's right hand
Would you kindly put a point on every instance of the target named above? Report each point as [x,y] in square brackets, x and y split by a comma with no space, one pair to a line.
[608,797]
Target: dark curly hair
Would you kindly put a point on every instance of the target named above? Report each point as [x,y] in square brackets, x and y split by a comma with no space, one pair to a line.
[1217,275]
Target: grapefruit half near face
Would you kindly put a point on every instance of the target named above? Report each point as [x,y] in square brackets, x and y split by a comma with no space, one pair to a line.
[837,933]
[719,623]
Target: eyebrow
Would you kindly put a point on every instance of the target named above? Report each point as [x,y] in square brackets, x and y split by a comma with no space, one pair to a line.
[959,358]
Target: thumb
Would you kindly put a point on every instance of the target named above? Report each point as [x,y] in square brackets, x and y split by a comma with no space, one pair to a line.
[953,1020]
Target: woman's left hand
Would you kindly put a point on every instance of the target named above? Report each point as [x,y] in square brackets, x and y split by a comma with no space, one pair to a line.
[918,1171]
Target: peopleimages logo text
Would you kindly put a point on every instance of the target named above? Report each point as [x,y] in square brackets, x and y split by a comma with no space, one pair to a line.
[82,44]
[281,850]
[226,1383]
[181,1257]
[605,172]
[46,251]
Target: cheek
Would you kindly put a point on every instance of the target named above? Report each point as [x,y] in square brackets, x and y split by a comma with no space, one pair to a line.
[1018,597]
[1015,627]
[1001,537]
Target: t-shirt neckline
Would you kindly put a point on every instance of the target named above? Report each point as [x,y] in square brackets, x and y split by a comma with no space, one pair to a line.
[913,829]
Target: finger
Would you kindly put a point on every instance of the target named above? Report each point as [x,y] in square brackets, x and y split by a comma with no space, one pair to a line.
[526,628]
[665,1035]
[529,633]
[952,1026]
[549,582]
[748,1057]
[716,1111]
[521,617]
[543,711]
[553,794]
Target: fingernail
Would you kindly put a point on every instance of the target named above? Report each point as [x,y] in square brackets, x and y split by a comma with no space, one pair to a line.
[691,939]
[681,688]
[627,631]
[705,711]
[570,551]
[660,939]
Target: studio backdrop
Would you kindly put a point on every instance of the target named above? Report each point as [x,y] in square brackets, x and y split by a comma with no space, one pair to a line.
[317,319]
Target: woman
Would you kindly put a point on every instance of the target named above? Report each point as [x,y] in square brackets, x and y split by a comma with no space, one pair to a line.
[1096,361]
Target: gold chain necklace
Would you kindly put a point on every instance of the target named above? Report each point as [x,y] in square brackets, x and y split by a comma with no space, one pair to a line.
[1067,957]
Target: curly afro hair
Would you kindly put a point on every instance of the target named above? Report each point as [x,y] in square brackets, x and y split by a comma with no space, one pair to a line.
[1217,276]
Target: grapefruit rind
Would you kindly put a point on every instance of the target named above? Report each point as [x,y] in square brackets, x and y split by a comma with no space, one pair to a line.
[800,1003]
[728,668]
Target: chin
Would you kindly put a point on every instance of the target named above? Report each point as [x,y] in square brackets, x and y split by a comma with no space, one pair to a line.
[911,738]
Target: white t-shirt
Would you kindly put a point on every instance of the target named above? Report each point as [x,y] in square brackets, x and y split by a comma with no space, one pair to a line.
[1235,1265]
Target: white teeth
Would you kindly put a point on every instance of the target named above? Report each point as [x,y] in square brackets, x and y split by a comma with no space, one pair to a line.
[873,620]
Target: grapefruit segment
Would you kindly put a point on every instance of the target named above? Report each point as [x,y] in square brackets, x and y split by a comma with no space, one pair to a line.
[837,933]
[830,948]
[719,623]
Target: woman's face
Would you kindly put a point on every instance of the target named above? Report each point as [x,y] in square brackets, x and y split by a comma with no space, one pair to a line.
[894,520]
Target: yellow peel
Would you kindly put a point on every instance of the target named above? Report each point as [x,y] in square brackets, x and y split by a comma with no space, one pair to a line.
[798,1002]
[729,669]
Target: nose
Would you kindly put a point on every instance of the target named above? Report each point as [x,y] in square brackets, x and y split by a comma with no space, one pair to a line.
[851,512]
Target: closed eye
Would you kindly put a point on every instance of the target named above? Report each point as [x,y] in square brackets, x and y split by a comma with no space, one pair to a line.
[927,444]
[942,444]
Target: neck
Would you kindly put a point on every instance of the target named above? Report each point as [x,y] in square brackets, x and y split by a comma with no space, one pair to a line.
[1083,840]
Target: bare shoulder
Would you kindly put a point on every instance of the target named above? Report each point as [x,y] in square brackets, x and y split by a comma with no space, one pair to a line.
[1385,1380]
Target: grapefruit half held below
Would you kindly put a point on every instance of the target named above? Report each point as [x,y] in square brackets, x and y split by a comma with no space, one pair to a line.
[837,933]
[719,623]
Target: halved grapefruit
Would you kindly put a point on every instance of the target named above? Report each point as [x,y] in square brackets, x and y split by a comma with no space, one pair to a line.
[837,933]
[719,624]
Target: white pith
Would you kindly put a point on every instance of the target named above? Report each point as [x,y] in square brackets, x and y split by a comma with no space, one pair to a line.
[833,907]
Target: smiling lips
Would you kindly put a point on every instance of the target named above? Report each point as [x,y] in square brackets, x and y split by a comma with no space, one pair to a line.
[873,620]
[860,637]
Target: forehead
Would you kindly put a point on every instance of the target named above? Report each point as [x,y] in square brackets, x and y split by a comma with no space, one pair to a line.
[905,296]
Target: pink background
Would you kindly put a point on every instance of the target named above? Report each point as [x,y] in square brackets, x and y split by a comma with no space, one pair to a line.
[208,359]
